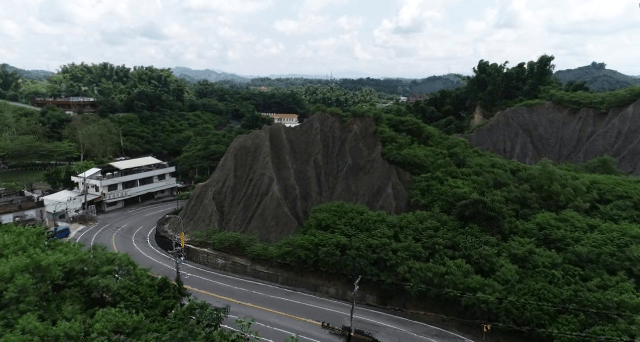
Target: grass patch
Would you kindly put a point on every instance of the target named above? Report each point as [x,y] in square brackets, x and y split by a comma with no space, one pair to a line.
[18,180]
[529,103]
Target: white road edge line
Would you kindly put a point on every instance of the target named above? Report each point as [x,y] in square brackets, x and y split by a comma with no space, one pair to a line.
[284,299]
[98,232]
[81,235]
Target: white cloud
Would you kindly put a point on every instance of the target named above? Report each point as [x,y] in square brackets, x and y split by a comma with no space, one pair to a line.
[317,5]
[305,25]
[225,6]
[269,47]
[350,23]
[11,29]
[417,38]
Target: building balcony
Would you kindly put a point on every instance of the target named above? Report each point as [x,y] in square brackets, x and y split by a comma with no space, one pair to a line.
[119,195]
[121,177]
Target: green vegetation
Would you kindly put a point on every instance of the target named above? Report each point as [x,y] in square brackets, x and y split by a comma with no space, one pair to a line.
[19,180]
[597,77]
[493,87]
[396,86]
[553,248]
[600,101]
[56,291]
[23,136]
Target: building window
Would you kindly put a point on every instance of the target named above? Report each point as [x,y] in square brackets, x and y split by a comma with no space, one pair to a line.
[112,204]
[130,184]
[112,187]
[97,188]
[145,181]
[162,177]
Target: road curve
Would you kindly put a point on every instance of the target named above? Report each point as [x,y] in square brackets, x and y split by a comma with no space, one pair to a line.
[278,312]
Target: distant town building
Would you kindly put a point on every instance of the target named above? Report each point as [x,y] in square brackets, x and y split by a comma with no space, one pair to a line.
[113,186]
[289,120]
[20,206]
[417,97]
[403,99]
[68,104]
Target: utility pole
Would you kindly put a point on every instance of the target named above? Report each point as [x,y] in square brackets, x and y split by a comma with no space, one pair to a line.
[177,251]
[86,191]
[353,305]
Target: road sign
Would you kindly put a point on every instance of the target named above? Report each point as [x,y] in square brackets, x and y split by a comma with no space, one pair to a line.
[181,239]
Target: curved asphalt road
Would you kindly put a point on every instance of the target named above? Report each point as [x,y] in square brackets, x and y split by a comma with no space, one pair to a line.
[278,312]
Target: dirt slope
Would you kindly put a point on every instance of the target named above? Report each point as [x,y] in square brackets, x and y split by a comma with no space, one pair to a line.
[560,134]
[268,181]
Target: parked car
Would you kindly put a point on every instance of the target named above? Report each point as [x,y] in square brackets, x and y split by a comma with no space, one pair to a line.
[59,232]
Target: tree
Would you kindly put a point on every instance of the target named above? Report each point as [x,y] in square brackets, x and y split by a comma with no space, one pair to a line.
[57,291]
[255,121]
[54,120]
[9,85]
[573,86]
[93,136]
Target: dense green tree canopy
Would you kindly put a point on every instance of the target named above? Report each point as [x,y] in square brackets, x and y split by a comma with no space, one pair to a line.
[57,291]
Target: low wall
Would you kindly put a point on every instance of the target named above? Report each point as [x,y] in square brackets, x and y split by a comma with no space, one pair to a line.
[336,286]
[331,285]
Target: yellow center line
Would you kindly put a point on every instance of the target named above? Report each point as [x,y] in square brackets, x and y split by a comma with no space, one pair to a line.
[253,306]
[245,303]
[261,308]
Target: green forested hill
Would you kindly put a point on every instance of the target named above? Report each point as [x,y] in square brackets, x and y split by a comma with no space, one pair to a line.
[29,74]
[397,86]
[57,291]
[209,75]
[597,77]
[553,249]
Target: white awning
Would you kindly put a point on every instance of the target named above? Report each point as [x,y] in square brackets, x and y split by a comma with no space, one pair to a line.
[89,172]
[131,163]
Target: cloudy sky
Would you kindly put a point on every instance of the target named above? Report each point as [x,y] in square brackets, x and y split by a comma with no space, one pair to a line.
[401,38]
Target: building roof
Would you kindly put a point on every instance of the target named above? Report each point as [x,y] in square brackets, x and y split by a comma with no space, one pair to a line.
[65,195]
[89,172]
[131,163]
[15,207]
[284,116]
[62,196]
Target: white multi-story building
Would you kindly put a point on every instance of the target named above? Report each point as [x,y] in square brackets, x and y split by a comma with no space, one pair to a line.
[289,120]
[127,180]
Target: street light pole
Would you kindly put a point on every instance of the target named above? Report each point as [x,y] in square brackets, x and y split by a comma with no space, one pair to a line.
[353,305]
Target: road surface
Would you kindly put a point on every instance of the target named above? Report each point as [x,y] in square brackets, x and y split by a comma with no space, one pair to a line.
[278,312]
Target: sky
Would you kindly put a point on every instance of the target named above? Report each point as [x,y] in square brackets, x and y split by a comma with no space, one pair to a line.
[393,38]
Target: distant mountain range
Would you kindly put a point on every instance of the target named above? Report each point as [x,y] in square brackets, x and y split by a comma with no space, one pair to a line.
[191,75]
[598,77]
[29,74]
